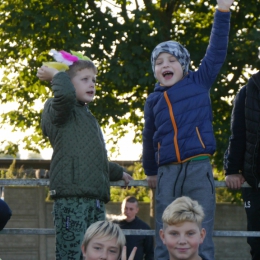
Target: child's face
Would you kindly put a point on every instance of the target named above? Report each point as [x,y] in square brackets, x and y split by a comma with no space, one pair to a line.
[168,70]
[101,248]
[183,240]
[84,82]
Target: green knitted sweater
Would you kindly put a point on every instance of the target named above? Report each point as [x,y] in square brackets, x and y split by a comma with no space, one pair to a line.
[79,165]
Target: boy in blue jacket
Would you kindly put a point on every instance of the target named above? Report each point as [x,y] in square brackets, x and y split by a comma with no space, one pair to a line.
[178,136]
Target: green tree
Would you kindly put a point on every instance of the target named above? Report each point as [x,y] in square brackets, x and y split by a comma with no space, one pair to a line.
[119,38]
[141,193]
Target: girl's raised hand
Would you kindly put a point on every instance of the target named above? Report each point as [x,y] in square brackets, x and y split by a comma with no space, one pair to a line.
[132,255]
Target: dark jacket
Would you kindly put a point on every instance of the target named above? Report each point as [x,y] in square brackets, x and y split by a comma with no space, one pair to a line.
[79,165]
[243,155]
[178,119]
[5,214]
[144,244]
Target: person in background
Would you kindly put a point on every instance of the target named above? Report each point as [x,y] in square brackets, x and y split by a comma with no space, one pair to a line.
[80,172]
[242,157]
[144,243]
[5,214]
[178,136]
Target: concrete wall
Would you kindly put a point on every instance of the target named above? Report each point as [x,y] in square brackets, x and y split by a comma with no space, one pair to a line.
[31,211]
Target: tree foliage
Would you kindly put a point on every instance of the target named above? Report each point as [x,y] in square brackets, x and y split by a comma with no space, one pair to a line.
[119,38]
[141,193]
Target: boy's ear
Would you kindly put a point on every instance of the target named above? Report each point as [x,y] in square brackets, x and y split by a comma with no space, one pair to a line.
[202,235]
[83,250]
[161,233]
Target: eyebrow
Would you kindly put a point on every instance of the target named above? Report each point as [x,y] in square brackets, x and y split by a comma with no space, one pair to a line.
[100,244]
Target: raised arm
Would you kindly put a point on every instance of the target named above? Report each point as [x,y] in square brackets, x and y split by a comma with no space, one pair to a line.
[224,5]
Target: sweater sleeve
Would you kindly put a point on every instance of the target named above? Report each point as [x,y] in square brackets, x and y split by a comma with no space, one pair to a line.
[61,106]
[115,171]
[234,155]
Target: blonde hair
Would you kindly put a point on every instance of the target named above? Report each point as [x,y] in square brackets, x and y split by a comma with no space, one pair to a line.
[102,229]
[80,65]
[181,210]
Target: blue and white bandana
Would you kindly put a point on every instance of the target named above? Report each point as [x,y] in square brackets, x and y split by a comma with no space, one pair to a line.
[175,49]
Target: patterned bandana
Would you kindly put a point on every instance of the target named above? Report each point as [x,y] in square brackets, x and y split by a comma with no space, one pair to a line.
[175,49]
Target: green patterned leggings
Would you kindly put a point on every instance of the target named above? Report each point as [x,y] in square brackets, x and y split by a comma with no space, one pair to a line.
[72,216]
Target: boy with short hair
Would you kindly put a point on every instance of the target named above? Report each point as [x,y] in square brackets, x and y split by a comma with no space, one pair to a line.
[182,232]
[80,171]
[105,240]
[178,137]
[144,243]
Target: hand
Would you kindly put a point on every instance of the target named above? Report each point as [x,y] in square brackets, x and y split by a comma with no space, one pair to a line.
[132,255]
[152,181]
[127,178]
[224,4]
[234,181]
[46,73]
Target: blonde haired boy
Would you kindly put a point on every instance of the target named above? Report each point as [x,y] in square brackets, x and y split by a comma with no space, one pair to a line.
[105,240]
[182,232]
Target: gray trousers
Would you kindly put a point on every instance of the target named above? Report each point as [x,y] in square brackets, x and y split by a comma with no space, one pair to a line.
[195,180]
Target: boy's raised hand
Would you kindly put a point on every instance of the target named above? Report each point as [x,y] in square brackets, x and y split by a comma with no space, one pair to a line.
[132,255]
[224,5]
[46,73]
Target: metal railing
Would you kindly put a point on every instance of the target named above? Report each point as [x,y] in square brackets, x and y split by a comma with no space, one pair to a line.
[47,231]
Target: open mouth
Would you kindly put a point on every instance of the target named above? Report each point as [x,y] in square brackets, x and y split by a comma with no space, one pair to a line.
[167,74]
[90,92]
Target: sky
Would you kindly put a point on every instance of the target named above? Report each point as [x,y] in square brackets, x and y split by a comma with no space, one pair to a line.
[127,149]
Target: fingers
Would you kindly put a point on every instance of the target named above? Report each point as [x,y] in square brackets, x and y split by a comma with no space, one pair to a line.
[152,181]
[234,181]
[127,178]
[132,255]
[123,255]
[46,73]
[41,73]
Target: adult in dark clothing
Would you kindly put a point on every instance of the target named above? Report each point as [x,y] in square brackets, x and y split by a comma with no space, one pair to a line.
[242,158]
[5,214]
[144,243]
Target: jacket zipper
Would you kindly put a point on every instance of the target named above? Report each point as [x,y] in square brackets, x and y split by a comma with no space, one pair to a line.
[175,141]
[199,136]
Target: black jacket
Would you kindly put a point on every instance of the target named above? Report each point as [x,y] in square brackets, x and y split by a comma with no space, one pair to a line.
[5,214]
[242,155]
[143,243]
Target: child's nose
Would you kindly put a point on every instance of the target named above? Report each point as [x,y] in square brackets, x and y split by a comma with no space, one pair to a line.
[165,64]
[182,240]
[103,254]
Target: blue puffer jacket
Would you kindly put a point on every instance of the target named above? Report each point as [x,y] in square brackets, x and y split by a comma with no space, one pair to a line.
[178,119]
